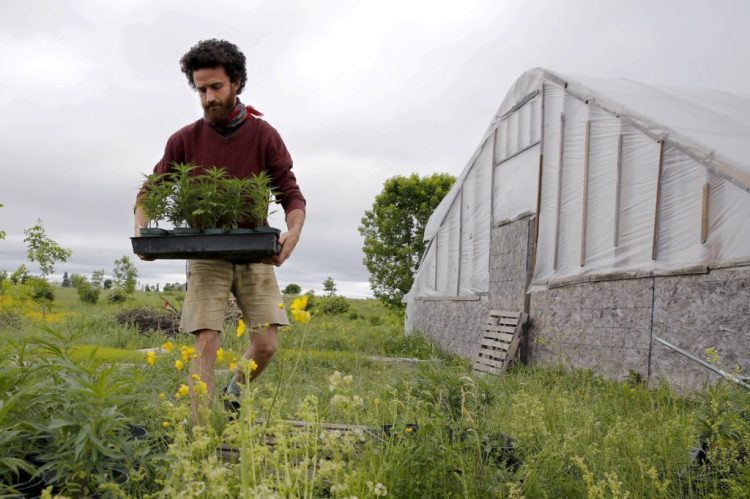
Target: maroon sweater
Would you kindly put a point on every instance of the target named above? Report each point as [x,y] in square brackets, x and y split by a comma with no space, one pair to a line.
[253,147]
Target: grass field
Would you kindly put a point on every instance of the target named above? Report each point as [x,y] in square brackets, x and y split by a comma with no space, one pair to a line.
[72,380]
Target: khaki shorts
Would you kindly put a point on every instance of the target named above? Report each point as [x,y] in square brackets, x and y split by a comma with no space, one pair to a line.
[209,284]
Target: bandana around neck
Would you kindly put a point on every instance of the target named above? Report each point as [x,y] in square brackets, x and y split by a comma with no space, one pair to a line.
[238,116]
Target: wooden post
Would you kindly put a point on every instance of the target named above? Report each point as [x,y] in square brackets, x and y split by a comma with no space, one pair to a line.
[704,214]
[655,238]
[538,189]
[584,214]
[618,180]
[460,238]
[437,259]
[559,189]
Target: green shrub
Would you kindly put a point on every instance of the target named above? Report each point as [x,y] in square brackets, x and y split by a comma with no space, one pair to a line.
[87,293]
[332,305]
[117,295]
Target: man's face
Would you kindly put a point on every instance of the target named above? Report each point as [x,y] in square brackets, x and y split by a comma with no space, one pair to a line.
[218,94]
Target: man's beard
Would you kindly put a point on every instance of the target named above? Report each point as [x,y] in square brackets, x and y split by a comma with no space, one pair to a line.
[218,114]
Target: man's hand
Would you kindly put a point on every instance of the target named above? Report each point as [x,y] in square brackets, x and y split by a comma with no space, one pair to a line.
[288,240]
[141,222]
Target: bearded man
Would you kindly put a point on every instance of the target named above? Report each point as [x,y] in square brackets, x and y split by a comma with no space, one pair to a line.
[232,136]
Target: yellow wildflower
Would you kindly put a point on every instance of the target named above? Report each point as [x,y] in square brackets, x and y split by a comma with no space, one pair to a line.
[301,316]
[241,328]
[196,377]
[200,388]
[165,424]
[232,366]
[162,396]
[188,353]
[266,324]
[178,364]
[299,303]
[183,391]
[253,365]
[281,306]
[409,429]
[151,357]
[168,346]
[220,355]
[712,356]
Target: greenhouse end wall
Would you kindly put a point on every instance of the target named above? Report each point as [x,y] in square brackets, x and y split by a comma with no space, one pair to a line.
[607,326]
[455,323]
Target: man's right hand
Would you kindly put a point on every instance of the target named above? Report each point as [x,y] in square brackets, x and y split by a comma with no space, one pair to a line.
[141,221]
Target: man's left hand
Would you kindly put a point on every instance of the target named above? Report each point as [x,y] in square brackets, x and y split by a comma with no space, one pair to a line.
[287,240]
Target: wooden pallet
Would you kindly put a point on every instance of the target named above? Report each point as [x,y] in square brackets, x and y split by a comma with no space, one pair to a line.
[500,340]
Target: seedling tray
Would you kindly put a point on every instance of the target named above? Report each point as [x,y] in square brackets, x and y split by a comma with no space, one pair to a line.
[255,246]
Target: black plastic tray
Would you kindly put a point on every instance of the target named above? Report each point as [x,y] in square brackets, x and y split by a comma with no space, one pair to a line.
[255,246]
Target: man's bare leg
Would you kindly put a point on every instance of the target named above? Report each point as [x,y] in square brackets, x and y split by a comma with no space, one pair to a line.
[207,342]
[262,347]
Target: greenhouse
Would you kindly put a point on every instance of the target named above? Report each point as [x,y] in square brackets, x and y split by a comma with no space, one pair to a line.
[614,213]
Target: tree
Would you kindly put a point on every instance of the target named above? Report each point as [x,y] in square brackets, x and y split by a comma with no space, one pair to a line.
[20,276]
[107,284]
[97,278]
[292,289]
[125,275]
[66,280]
[329,286]
[76,280]
[393,232]
[43,250]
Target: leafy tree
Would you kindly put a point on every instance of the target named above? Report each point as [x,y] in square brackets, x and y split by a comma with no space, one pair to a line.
[97,278]
[329,286]
[157,287]
[41,292]
[125,275]
[107,284]
[393,231]
[66,280]
[3,275]
[292,289]
[20,276]
[77,280]
[147,288]
[43,250]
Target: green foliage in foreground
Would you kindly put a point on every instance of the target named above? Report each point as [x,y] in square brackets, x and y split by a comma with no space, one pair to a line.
[572,434]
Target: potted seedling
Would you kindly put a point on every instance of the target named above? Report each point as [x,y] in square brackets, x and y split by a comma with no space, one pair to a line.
[185,194]
[209,200]
[155,202]
[260,193]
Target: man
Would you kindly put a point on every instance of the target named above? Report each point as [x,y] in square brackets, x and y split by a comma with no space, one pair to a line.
[231,136]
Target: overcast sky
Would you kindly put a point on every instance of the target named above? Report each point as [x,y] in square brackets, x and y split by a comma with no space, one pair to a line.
[360,91]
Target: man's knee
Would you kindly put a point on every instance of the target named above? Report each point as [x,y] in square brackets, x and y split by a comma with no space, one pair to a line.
[207,341]
[266,343]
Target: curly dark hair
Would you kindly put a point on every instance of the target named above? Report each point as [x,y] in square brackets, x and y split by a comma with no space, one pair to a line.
[212,54]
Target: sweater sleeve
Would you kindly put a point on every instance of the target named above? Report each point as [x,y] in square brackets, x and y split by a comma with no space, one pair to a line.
[279,166]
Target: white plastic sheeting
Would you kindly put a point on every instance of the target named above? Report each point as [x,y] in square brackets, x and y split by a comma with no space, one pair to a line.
[634,177]
[515,185]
